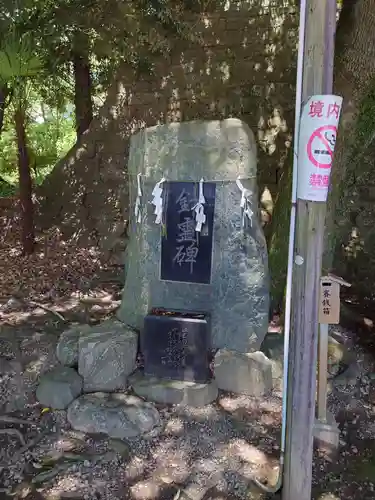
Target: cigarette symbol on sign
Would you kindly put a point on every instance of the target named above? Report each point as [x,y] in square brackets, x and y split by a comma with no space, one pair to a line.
[321,146]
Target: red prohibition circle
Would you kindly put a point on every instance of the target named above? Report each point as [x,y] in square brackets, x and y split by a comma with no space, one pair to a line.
[319,134]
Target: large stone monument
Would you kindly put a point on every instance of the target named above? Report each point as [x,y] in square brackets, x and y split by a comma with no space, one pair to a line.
[196,297]
[182,174]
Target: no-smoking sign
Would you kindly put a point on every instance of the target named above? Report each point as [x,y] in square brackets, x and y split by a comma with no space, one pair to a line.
[317,141]
[321,146]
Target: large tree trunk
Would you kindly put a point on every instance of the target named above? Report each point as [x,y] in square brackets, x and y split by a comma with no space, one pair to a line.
[348,248]
[4,93]
[86,194]
[25,185]
[353,79]
[82,77]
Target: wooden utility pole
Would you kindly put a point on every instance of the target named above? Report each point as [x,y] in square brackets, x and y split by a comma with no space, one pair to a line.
[310,223]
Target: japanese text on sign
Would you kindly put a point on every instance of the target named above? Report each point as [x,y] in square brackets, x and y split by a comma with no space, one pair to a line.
[186,254]
[175,352]
[317,141]
[187,248]
[319,109]
[329,302]
[326,302]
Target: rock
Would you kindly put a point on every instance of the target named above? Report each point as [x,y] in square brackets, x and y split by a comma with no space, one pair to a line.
[120,447]
[67,347]
[348,379]
[249,373]
[199,485]
[14,395]
[237,297]
[339,357]
[174,392]
[120,416]
[58,388]
[273,348]
[107,355]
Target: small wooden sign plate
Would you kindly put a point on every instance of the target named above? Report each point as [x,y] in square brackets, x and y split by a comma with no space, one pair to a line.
[329,301]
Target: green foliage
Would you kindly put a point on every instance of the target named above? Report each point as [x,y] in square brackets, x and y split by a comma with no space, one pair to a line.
[365,128]
[7,189]
[37,39]
[49,138]
[18,58]
[49,141]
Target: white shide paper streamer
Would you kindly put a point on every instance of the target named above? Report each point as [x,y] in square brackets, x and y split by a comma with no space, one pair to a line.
[157,200]
[200,217]
[137,208]
[245,203]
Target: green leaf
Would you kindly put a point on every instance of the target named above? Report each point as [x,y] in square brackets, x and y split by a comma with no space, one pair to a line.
[18,59]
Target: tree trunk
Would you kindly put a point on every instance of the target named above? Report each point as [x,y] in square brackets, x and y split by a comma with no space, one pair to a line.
[82,77]
[354,80]
[4,92]
[25,185]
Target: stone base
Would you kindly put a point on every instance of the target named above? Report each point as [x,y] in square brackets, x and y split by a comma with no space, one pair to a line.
[174,392]
[327,436]
[118,415]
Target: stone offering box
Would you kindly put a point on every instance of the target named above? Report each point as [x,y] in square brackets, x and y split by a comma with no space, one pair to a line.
[195,244]
[176,346]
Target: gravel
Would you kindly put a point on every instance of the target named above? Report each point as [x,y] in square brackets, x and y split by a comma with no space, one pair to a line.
[226,443]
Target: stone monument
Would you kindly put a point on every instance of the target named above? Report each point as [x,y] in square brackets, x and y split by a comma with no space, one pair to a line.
[196,245]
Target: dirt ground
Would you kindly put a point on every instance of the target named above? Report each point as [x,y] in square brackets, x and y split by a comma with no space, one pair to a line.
[240,437]
[234,440]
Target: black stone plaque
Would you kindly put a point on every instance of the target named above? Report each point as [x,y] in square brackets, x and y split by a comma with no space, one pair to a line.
[186,255]
[176,347]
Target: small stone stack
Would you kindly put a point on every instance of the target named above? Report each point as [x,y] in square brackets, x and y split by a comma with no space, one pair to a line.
[97,360]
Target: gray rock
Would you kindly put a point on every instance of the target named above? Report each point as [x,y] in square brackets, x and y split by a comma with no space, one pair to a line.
[58,388]
[107,355]
[173,391]
[249,373]
[273,348]
[348,378]
[238,296]
[67,347]
[13,393]
[339,357]
[120,416]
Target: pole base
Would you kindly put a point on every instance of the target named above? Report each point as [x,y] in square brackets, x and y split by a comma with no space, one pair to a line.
[327,437]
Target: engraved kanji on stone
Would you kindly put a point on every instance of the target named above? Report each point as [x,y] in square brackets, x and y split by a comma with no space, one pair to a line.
[186,230]
[183,202]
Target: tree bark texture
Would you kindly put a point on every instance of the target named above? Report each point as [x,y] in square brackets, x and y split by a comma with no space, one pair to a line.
[82,78]
[25,185]
[86,194]
[349,242]
[4,93]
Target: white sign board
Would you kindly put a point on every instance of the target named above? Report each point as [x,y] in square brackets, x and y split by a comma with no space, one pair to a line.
[317,140]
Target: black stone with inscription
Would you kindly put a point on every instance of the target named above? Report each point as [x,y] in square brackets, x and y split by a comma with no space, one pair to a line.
[176,346]
[186,255]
